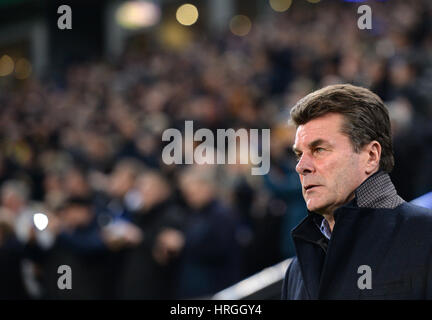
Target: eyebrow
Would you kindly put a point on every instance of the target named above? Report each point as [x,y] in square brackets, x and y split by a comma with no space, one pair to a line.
[311,145]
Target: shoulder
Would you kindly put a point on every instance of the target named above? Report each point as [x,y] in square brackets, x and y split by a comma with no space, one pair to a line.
[415,213]
[293,280]
[416,220]
[293,272]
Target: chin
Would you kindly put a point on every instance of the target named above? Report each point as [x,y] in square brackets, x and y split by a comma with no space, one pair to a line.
[312,208]
[315,207]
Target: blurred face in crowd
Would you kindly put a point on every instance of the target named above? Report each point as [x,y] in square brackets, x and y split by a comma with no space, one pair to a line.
[76,184]
[153,189]
[121,181]
[12,200]
[197,191]
[329,168]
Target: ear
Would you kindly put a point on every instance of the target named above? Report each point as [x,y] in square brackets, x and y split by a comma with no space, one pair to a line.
[373,156]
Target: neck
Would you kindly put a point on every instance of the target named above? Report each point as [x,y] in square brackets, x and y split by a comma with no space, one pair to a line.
[330,220]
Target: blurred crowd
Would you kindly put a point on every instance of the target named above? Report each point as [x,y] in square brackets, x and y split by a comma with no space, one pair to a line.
[86,152]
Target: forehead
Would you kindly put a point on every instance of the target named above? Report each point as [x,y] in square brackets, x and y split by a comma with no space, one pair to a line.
[327,127]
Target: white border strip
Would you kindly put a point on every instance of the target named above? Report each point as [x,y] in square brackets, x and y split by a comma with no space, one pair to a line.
[255,282]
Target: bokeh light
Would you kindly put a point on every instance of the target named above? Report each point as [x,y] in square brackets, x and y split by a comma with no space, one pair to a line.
[280,5]
[40,220]
[6,65]
[187,14]
[240,25]
[138,14]
[23,69]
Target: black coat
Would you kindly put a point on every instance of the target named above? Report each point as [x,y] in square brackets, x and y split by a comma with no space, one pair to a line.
[11,280]
[142,277]
[209,261]
[84,251]
[396,244]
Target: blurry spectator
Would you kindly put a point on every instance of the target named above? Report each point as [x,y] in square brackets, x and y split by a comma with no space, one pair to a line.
[209,260]
[411,133]
[14,197]
[17,207]
[79,244]
[76,184]
[120,197]
[285,207]
[11,256]
[147,271]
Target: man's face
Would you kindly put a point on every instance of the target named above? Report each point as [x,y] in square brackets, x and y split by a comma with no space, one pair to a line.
[328,167]
[196,192]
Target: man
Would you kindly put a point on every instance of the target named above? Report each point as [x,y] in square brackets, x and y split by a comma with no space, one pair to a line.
[209,260]
[149,267]
[79,245]
[360,240]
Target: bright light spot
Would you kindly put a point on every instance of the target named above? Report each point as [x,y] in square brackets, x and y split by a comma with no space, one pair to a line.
[187,14]
[6,65]
[280,5]
[240,25]
[313,1]
[23,69]
[40,220]
[137,14]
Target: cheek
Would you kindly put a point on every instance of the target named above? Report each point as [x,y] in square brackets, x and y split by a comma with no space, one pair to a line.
[329,173]
[348,175]
[338,175]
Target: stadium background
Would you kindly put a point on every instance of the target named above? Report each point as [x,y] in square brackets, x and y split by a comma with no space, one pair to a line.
[82,112]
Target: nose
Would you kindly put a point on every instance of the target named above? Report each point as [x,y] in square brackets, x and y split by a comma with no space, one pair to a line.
[305,165]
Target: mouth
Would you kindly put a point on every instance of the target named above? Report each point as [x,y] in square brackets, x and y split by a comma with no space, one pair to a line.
[310,187]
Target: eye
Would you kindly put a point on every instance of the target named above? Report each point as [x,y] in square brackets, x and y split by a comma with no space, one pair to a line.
[319,150]
[298,156]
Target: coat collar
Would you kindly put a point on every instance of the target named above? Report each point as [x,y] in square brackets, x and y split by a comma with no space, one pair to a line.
[377,192]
